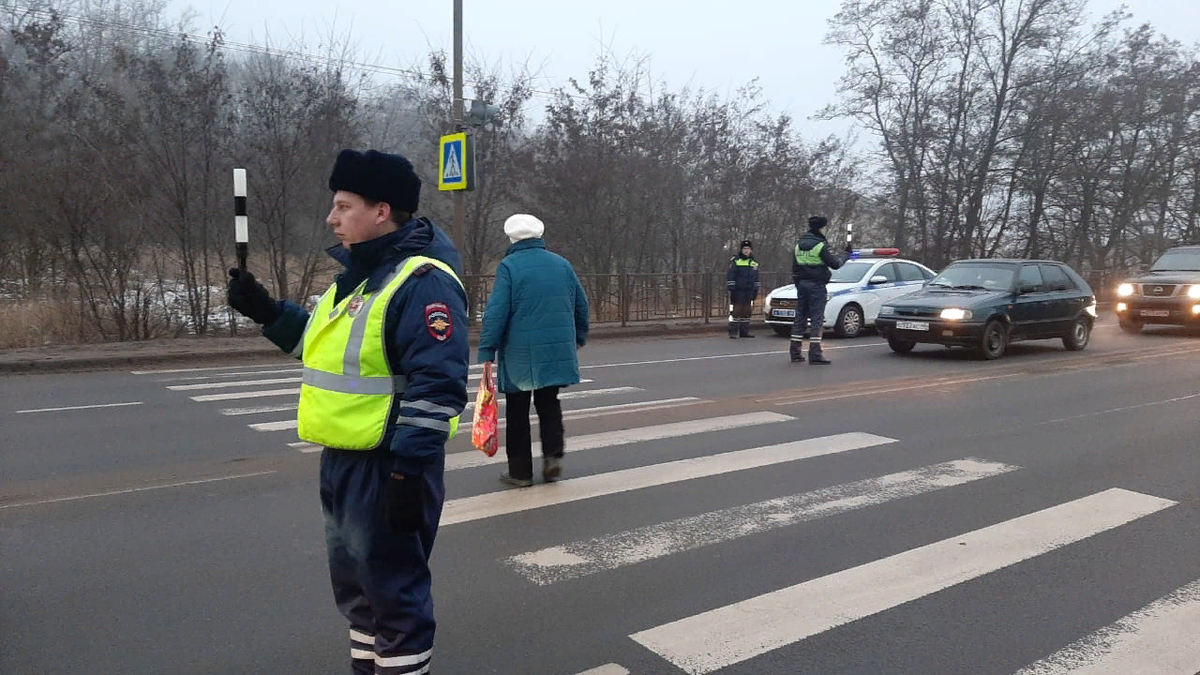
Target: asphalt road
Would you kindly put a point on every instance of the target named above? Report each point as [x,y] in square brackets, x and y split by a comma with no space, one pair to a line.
[723,511]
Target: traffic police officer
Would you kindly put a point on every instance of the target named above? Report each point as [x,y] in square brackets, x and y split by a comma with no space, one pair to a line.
[385,378]
[742,281]
[810,273]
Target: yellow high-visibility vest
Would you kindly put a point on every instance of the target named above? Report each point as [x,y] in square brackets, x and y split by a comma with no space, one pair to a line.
[348,387]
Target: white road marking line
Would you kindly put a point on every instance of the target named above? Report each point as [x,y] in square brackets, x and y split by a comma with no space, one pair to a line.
[283,407]
[281,371]
[1158,639]
[464,460]
[732,634]
[198,370]
[502,400]
[783,352]
[604,410]
[78,407]
[239,383]
[283,425]
[504,502]
[306,447]
[582,558]
[132,490]
[293,391]
[814,398]
[606,669]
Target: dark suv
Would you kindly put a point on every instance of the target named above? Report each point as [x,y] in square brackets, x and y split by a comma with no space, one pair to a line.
[1168,293]
[987,304]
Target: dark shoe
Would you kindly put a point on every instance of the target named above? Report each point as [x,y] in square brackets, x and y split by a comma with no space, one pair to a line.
[797,357]
[818,359]
[551,468]
[516,482]
[747,334]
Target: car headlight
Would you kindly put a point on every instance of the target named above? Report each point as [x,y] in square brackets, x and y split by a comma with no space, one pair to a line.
[887,310]
[1125,290]
[1194,292]
[956,314]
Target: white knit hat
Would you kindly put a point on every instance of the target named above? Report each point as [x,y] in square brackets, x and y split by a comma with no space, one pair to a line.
[523,226]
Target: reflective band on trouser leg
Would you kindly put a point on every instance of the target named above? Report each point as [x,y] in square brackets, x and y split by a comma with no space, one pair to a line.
[362,652]
[414,664]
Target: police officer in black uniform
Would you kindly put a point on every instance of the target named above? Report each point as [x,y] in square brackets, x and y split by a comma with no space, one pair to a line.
[742,281]
[810,273]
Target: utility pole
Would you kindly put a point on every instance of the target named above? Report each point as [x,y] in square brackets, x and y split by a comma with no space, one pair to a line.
[460,198]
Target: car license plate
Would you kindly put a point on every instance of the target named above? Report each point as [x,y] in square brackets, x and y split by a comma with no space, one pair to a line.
[912,325]
[1156,312]
[785,313]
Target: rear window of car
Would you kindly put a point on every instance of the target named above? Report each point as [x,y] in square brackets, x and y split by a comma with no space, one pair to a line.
[1056,279]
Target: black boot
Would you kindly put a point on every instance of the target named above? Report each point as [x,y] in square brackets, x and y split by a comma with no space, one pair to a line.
[816,358]
[744,330]
[796,351]
[733,331]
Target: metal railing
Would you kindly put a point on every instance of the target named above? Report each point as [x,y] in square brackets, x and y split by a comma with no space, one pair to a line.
[632,298]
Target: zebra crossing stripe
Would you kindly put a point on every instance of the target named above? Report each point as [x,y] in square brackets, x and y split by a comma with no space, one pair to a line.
[640,406]
[572,395]
[727,635]
[474,458]
[606,669]
[493,504]
[1162,638]
[570,561]
[236,396]
[235,383]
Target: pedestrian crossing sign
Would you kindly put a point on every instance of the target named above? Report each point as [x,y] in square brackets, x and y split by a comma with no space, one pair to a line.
[456,165]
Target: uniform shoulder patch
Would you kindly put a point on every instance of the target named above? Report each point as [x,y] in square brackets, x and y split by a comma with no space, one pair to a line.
[438,321]
[423,269]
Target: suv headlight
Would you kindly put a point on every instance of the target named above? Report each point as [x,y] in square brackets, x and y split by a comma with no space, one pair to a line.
[887,310]
[1194,292]
[956,314]
[1125,290]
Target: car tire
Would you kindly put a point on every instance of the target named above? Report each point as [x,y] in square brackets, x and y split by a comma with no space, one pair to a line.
[1131,327]
[1079,335]
[850,322]
[782,331]
[993,342]
[901,346]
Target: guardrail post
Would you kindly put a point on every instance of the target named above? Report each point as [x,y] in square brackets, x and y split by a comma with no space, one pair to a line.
[623,302]
[706,295]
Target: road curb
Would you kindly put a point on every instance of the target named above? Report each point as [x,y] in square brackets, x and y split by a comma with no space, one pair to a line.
[255,348]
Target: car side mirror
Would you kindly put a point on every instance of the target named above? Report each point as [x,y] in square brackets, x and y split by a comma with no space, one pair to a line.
[1028,288]
[877,279]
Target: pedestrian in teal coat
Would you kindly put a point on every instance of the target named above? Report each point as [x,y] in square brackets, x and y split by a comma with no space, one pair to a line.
[536,319]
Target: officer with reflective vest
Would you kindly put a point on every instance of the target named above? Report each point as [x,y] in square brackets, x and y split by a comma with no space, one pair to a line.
[811,272]
[742,282]
[384,381]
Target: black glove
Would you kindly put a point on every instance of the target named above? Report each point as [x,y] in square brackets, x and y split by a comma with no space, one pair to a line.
[250,299]
[402,505]
[849,248]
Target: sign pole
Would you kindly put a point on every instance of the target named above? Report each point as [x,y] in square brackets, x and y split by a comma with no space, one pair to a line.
[241,223]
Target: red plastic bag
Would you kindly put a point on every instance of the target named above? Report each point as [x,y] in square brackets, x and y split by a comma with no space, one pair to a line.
[485,433]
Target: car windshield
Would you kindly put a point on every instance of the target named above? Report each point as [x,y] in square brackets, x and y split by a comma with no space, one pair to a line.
[975,277]
[850,273]
[1177,261]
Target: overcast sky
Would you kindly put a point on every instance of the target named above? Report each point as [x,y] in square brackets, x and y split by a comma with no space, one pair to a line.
[718,44]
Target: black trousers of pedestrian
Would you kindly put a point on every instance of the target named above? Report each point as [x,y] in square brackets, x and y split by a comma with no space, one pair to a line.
[518,440]
[742,311]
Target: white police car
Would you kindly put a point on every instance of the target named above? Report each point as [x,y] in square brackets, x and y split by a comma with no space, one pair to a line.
[869,279]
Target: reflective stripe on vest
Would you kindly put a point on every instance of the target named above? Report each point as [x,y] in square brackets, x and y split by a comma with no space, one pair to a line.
[811,257]
[746,262]
[348,391]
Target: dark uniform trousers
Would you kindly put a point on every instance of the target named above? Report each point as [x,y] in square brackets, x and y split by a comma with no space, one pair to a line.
[809,323]
[381,580]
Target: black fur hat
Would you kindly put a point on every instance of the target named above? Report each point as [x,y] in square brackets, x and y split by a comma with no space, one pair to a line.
[817,222]
[746,244]
[378,176]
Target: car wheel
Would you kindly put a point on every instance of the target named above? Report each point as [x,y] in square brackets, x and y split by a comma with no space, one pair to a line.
[849,322]
[1128,326]
[994,341]
[901,346]
[782,331]
[1079,335]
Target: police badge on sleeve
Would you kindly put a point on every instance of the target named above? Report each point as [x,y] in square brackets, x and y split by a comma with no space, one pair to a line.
[437,320]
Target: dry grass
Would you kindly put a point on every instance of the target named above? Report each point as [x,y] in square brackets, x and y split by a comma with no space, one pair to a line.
[36,323]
